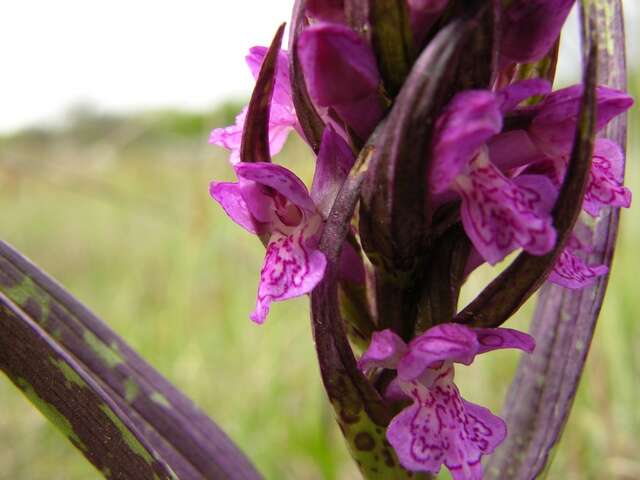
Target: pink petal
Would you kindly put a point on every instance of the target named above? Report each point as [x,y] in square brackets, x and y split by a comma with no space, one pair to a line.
[229,196]
[497,338]
[440,427]
[282,87]
[280,179]
[361,115]
[230,137]
[338,64]
[512,149]
[292,267]
[385,350]
[334,162]
[282,120]
[530,28]
[449,342]
[605,186]
[468,121]
[499,215]
[513,95]
[554,125]
[570,271]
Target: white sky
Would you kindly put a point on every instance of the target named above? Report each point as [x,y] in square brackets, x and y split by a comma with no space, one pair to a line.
[132,54]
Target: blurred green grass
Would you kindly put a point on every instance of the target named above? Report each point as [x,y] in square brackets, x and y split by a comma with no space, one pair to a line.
[116,208]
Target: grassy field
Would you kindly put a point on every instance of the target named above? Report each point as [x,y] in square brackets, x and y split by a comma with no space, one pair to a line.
[117,210]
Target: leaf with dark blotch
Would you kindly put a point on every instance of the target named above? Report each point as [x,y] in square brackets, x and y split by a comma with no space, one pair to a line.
[72,400]
[181,434]
[540,399]
[310,122]
[513,287]
[392,41]
[255,134]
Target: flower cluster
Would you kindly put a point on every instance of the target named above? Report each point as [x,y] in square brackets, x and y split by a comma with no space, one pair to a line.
[497,155]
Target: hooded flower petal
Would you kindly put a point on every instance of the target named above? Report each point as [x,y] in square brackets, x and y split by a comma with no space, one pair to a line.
[468,121]
[530,28]
[292,267]
[440,427]
[385,351]
[605,186]
[280,179]
[335,159]
[342,74]
[499,215]
[446,342]
[570,271]
[338,64]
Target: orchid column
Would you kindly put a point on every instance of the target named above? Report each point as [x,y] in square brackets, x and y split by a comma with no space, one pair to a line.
[441,145]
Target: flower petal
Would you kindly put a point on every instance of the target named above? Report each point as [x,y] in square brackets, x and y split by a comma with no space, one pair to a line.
[570,271]
[513,95]
[449,342]
[282,87]
[512,149]
[500,215]
[292,267]
[280,179]
[530,28]
[440,427]
[282,120]
[338,64]
[554,125]
[335,159]
[230,137]
[229,196]
[385,350]
[605,186]
[468,121]
[497,338]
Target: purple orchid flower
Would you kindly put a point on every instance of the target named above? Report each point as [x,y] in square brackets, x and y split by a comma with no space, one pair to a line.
[282,118]
[270,201]
[508,181]
[440,427]
[499,214]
